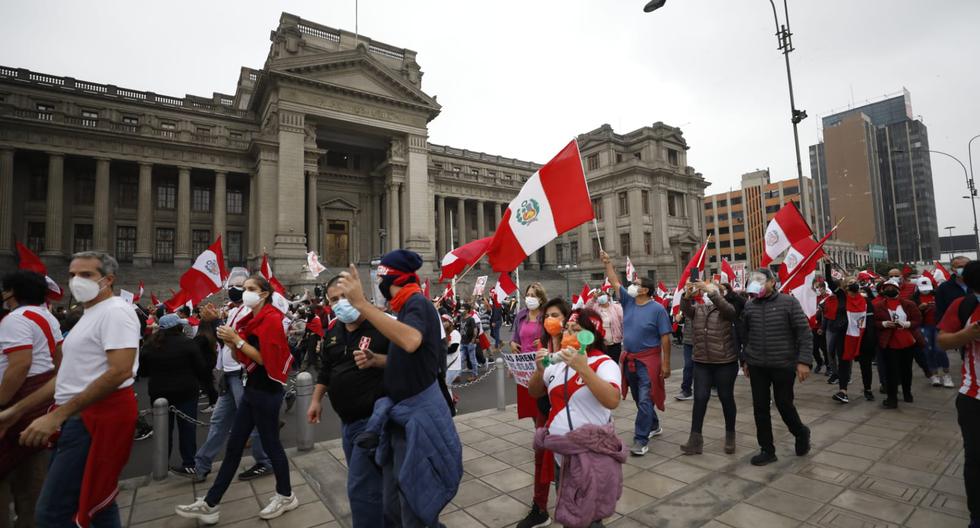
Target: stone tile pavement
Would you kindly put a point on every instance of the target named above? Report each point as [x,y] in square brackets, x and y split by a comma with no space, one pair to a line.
[869,468]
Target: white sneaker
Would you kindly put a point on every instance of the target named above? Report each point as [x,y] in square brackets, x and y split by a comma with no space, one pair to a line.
[936,382]
[199,510]
[657,432]
[639,449]
[279,505]
[948,381]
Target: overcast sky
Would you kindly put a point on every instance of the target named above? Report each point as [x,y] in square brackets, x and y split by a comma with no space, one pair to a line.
[520,78]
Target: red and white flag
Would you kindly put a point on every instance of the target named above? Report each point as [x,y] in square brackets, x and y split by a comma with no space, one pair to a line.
[586,292]
[799,269]
[266,272]
[448,294]
[504,287]
[425,289]
[154,300]
[606,285]
[727,273]
[30,262]
[857,309]
[661,290]
[630,271]
[697,262]
[940,274]
[139,293]
[206,276]
[313,263]
[179,299]
[555,199]
[454,262]
[786,227]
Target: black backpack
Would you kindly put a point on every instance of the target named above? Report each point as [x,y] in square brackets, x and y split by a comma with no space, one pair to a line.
[966,308]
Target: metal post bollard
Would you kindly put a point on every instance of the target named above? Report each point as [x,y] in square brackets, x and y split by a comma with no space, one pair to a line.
[161,436]
[304,395]
[501,384]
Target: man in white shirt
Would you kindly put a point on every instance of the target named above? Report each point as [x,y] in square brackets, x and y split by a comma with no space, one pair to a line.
[95,402]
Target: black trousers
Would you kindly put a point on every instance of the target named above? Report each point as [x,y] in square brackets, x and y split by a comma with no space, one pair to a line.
[614,351]
[722,377]
[844,370]
[775,383]
[968,414]
[819,348]
[899,365]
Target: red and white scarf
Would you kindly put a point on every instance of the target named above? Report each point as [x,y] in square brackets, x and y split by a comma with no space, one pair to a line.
[856,314]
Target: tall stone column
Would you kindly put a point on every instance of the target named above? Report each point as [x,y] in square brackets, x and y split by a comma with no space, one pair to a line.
[584,256]
[290,237]
[312,218]
[441,246]
[266,202]
[461,221]
[253,228]
[636,223]
[55,207]
[551,254]
[220,218]
[100,218]
[609,215]
[394,217]
[143,257]
[182,253]
[418,230]
[496,215]
[6,201]
[481,220]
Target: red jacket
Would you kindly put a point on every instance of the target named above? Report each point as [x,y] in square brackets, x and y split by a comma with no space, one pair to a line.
[881,315]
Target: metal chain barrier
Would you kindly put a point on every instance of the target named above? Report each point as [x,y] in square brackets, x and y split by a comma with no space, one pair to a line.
[478,379]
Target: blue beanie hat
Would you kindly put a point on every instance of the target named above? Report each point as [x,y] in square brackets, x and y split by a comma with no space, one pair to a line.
[402,260]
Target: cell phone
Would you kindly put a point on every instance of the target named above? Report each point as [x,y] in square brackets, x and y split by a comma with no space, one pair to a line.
[695,274]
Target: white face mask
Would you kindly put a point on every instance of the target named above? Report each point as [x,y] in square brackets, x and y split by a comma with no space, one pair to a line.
[84,289]
[251,299]
[533,303]
[754,288]
[633,290]
[958,272]
[603,299]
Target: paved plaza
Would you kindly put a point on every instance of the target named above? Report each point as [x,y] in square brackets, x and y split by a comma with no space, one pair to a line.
[869,468]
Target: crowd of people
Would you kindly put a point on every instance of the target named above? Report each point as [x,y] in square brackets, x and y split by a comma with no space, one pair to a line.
[67,380]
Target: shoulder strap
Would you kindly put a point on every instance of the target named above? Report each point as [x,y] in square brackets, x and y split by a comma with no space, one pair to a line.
[967,306]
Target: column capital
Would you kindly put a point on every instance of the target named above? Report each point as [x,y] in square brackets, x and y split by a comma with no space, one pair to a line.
[221,172]
[183,168]
[145,163]
[53,153]
[102,158]
[6,148]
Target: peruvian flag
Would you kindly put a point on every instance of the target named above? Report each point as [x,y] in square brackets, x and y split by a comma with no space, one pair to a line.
[783,231]
[661,290]
[30,262]
[206,276]
[555,199]
[630,271]
[727,273]
[448,294]
[586,292]
[154,300]
[425,289]
[856,313]
[179,299]
[266,272]
[798,270]
[454,262]
[940,274]
[313,262]
[504,287]
[606,285]
[697,262]
[139,293]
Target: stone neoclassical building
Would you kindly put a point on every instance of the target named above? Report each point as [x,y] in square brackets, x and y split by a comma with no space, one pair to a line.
[323,148]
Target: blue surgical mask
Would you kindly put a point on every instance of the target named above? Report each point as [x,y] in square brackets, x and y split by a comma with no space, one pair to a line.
[345,312]
[754,288]
[958,272]
[603,299]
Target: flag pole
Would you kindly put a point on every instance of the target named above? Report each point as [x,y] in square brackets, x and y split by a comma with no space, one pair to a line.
[595,224]
[810,256]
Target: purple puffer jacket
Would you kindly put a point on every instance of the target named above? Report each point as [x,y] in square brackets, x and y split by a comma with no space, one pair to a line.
[591,479]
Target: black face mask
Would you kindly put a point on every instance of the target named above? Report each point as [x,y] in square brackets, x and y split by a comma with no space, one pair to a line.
[386,283]
[855,287]
[235,294]
[891,294]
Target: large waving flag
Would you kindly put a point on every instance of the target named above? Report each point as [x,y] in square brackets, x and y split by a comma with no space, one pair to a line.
[504,287]
[783,231]
[727,273]
[697,262]
[266,272]
[30,262]
[555,199]
[454,262]
[206,276]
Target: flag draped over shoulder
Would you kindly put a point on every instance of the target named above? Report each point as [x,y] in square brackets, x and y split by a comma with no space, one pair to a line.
[555,199]
[856,313]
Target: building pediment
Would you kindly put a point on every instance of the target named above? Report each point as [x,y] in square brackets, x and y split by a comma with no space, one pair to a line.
[354,72]
[339,203]
[685,238]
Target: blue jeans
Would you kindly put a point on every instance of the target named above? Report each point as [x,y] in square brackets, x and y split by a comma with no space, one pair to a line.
[186,432]
[687,380]
[646,415]
[221,420]
[259,410]
[469,354]
[495,333]
[365,483]
[58,502]
[936,358]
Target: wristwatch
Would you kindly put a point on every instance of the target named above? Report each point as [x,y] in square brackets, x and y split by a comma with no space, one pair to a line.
[239,344]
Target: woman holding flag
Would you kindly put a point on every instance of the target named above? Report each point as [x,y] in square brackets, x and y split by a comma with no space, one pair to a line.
[856,307]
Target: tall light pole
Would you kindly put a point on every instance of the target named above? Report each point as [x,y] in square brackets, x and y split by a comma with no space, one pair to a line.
[785,38]
[973,195]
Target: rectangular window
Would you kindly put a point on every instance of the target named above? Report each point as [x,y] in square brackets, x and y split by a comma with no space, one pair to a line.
[675,204]
[201,200]
[235,135]
[593,161]
[725,243]
[128,192]
[738,228]
[200,240]
[619,158]
[35,236]
[82,240]
[84,189]
[168,129]
[203,131]
[235,202]
[722,217]
[624,204]
[44,111]
[130,123]
[560,253]
[233,248]
[163,250]
[573,253]
[474,171]
[637,155]
[645,198]
[647,243]
[597,208]
[723,230]
[722,203]
[672,157]
[791,190]
[740,256]
[709,205]
[624,243]
[39,186]
[166,196]
[125,243]
[772,208]
[736,200]
[90,118]
[709,218]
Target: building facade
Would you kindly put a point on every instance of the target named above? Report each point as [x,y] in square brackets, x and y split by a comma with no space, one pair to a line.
[873,167]
[324,148]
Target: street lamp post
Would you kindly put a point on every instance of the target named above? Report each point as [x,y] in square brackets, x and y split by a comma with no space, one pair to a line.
[567,269]
[973,195]
[785,38]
